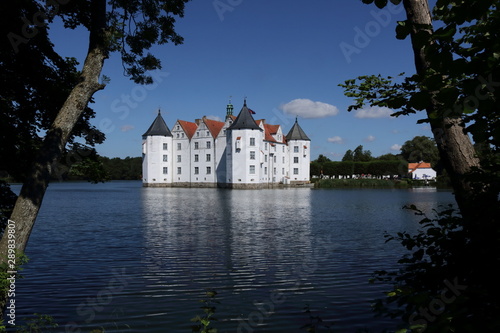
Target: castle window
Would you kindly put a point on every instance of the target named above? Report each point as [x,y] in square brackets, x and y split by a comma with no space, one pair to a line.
[265,146]
[252,169]
[209,170]
[196,158]
[295,159]
[265,158]
[295,171]
[179,170]
[165,158]
[177,135]
[208,144]
[295,149]
[208,157]
[165,170]
[196,170]
[165,146]
[196,144]
[179,146]
[197,133]
[252,155]
[282,171]
[283,149]
[265,170]
[208,133]
[178,158]
[252,141]
[274,170]
[274,159]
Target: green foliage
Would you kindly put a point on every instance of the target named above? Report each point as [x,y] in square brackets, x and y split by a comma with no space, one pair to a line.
[128,168]
[420,148]
[348,156]
[348,168]
[7,201]
[133,27]
[82,163]
[38,324]
[447,281]
[322,159]
[462,78]
[35,83]
[206,318]
[360,155]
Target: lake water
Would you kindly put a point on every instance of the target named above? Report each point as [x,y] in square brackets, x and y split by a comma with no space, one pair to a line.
[131,259]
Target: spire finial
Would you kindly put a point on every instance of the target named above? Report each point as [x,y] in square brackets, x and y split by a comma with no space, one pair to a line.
[229,108]
[245,101]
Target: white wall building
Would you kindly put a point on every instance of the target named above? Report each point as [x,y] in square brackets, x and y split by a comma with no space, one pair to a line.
[238,153]
[421,170]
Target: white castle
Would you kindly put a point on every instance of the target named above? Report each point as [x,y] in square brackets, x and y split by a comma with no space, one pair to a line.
[237,153]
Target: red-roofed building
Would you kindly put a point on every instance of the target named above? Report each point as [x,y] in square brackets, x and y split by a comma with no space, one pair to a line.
[421,170]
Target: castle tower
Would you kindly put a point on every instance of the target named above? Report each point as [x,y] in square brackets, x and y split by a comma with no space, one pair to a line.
[299,154]
[243,151]
[229,110]
[157,154]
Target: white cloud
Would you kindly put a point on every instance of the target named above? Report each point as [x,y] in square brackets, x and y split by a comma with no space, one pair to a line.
[374,112]
[370,138]
[336,139]
[306,108]
[212,117]
[396,147]
[126,128]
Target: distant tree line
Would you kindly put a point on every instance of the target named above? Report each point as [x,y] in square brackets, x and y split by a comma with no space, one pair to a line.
[105,168]
[361,162]
[85,164]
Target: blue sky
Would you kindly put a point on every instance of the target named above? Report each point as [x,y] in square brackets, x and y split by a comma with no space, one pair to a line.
[286,57]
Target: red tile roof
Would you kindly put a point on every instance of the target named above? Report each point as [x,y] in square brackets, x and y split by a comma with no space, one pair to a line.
[268,131]
[422,165]
[213,126]
[188,127]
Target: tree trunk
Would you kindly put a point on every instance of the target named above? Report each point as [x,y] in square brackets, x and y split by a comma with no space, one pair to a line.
[455,147]
[30,199]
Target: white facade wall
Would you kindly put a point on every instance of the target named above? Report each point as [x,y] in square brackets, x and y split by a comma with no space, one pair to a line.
[424,173]
[220,154]
[203,160]
[181,155]
[157,161]
[299,160]
[244,158]
[235,158]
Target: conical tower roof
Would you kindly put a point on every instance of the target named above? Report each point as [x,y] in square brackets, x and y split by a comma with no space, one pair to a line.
[297,133]
[244,120]
[158,127]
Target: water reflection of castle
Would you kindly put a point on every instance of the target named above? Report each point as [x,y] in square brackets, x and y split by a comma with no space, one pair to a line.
[238,153]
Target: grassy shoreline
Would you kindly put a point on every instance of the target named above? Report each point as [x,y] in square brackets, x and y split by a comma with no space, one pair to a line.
[372,183]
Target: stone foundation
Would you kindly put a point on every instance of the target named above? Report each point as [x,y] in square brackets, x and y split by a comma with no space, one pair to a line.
[252,186]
